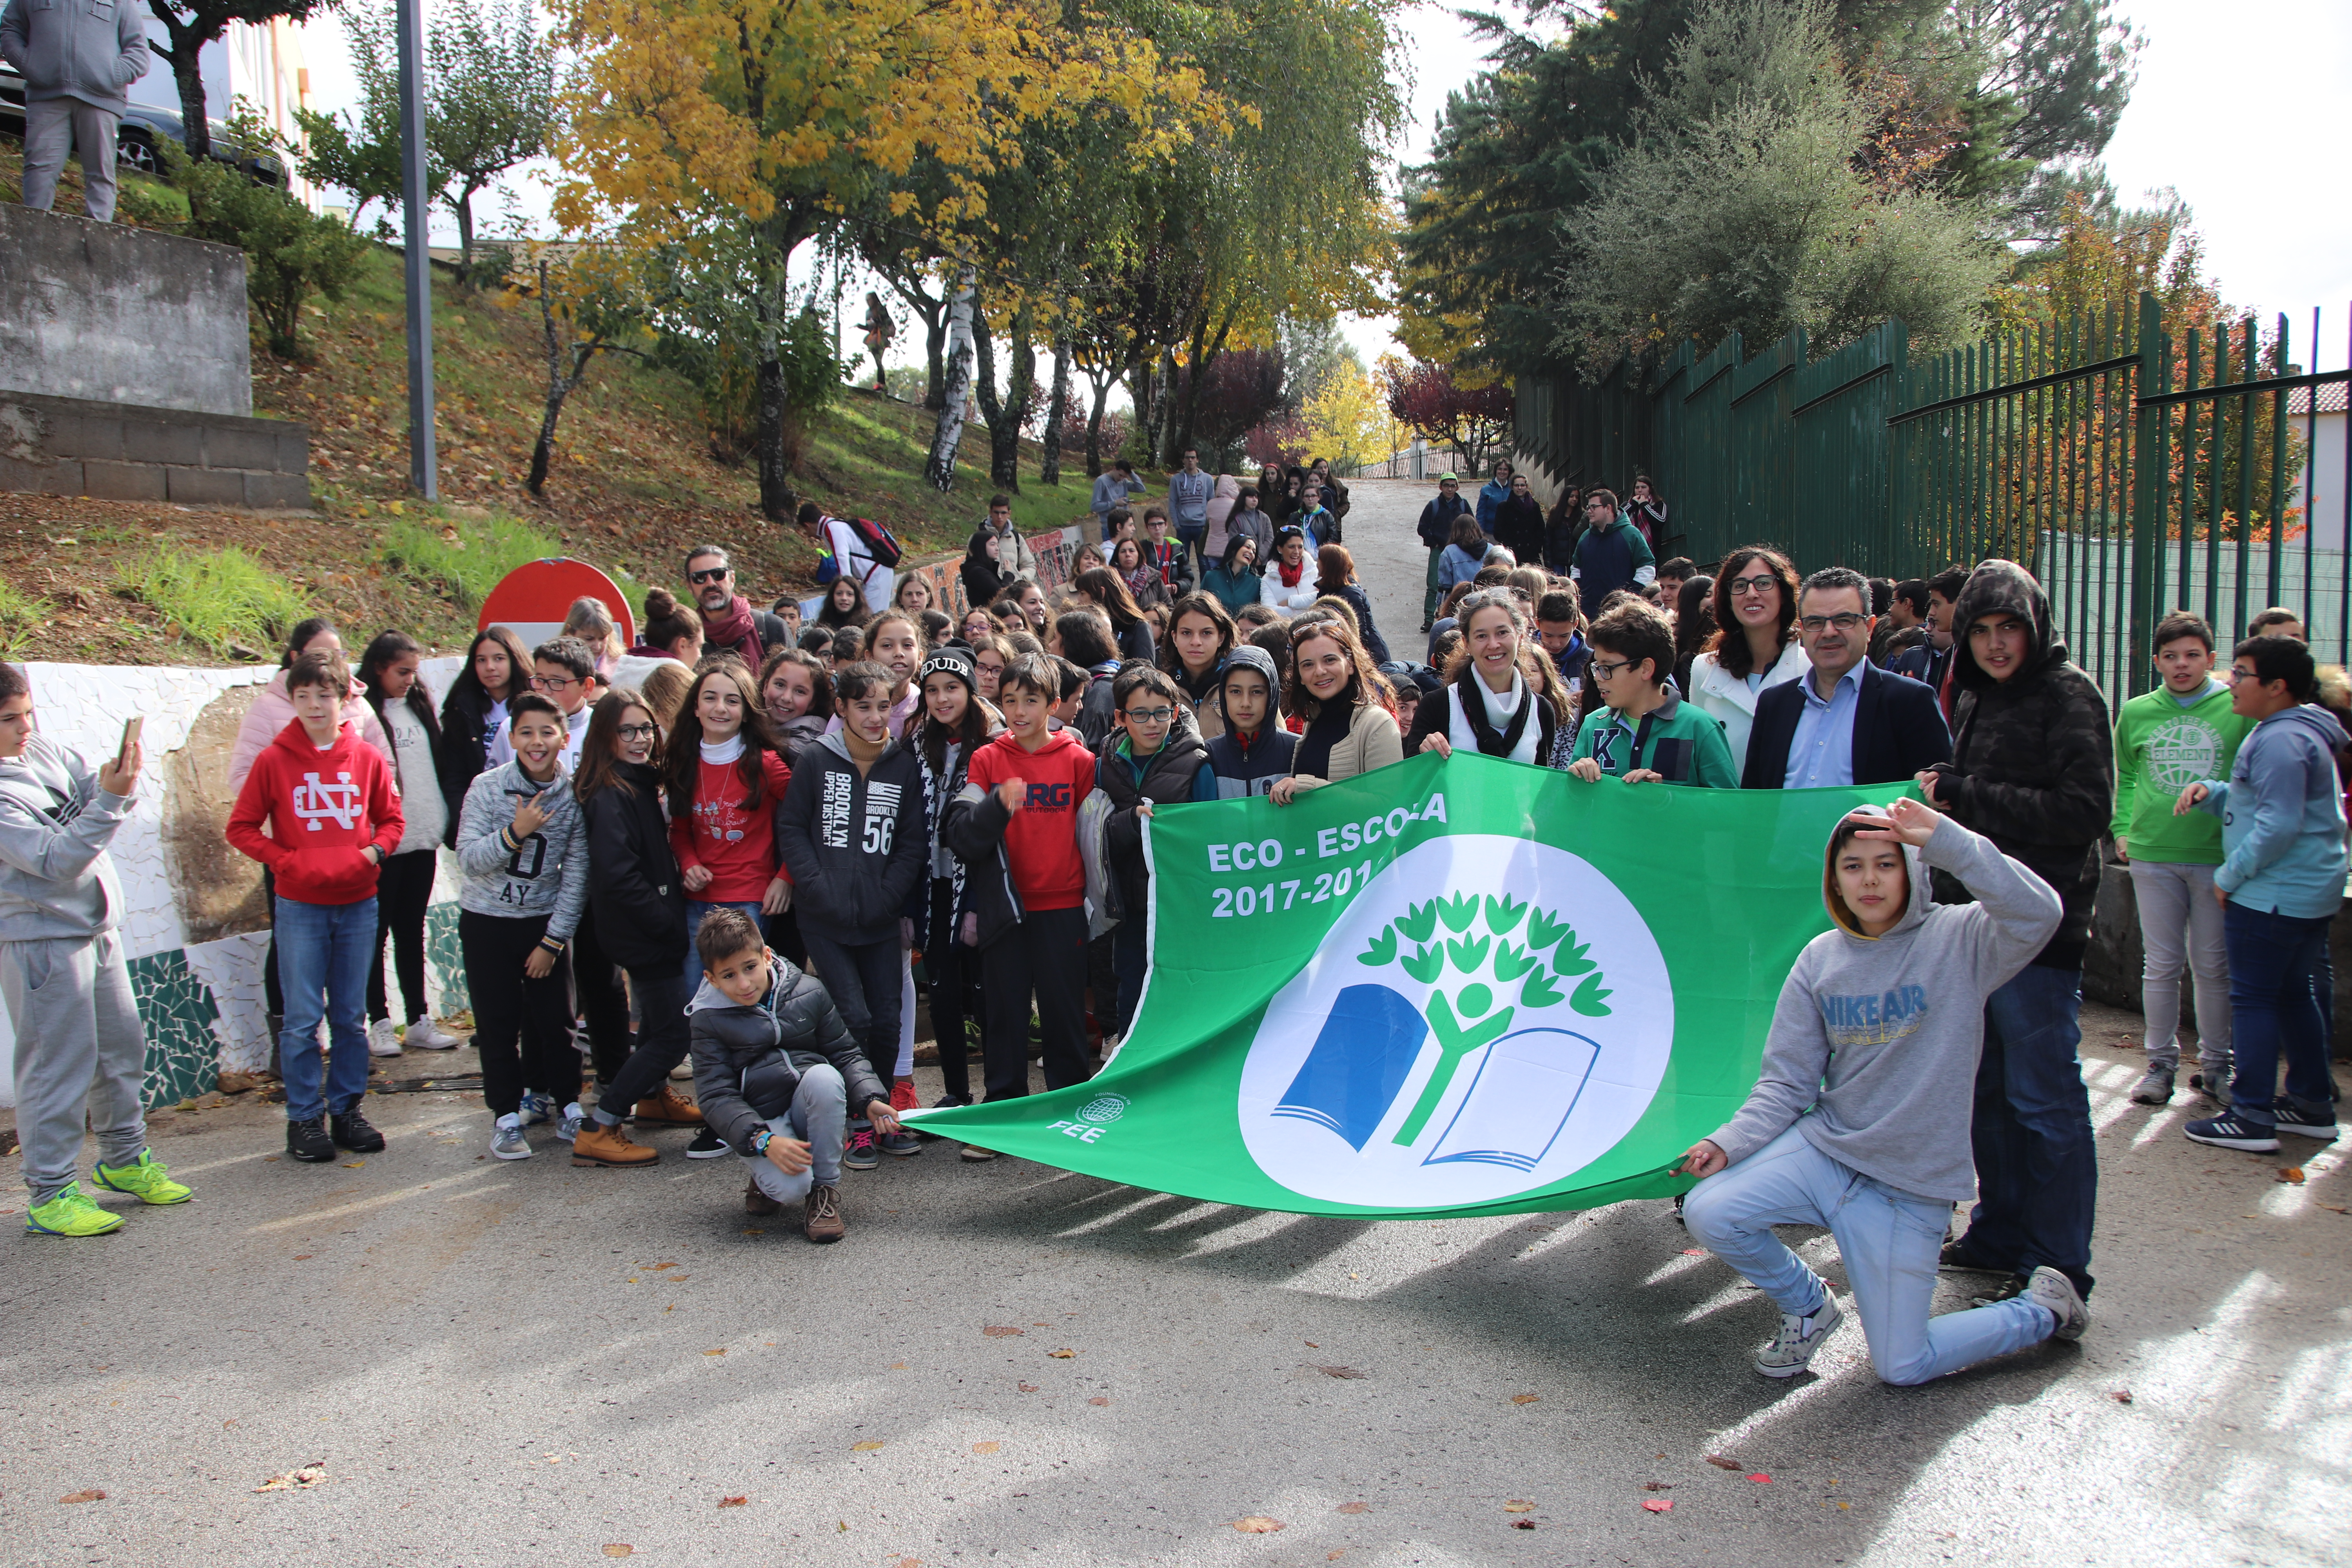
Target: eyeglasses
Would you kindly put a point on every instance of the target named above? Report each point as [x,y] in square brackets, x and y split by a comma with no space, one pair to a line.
[1845,621]
[1150,715]
[1606,669]
[638,731]
[553,682]
[1755,584]
[709,574]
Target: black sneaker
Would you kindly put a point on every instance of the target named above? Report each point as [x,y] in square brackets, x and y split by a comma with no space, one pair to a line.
[706,1145]
[352,1130]
[951,1102]
[902,1144]
[860,1155]
[2305,1120]
[2010,1285]
[1957,1257]
[2233,1131]
[307,1140]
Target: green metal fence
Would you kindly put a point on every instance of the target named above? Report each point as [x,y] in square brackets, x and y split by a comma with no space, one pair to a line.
[2134,467]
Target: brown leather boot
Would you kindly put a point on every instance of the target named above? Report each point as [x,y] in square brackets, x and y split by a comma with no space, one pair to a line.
[824,1223]
[598,1144]
[756,1202]
[671,1107]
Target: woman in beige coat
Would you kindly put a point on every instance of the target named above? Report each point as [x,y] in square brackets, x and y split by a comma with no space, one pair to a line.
[1333,686]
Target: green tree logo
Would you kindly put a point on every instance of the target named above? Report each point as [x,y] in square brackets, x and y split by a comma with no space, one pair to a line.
[1462,1011]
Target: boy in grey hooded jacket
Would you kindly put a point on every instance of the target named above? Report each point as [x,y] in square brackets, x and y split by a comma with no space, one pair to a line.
[80,1044]
[1860,1118]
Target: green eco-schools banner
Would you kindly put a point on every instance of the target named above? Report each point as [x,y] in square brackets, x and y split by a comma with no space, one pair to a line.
[1451,986]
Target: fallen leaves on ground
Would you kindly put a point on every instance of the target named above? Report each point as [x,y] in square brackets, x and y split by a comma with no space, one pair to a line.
[1355,1508]
[2121,1397]
[1518,1505]
[2291,1174]
[1760,1478]
[1523,1524]
[986,1448]
[1721,1463]
[308,1476]
[1002,1330]
[720,1350]
[1657,1486]
[1257,1524]
[1525,1398]
[1341,1372]
[618,1549]
[94,1494]
[1694,1252]
[1063,1354]
[733,1501]
[1659,1504]
[864,1448]
[1098,1399]
[1027,1387]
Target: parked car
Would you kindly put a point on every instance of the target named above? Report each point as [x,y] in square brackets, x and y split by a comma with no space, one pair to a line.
[143,128]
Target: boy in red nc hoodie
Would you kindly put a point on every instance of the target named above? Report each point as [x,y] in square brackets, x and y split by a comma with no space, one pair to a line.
[333,816]
[1014,825]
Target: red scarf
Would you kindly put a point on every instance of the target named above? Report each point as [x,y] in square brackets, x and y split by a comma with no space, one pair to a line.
[1290,575]
[733,629]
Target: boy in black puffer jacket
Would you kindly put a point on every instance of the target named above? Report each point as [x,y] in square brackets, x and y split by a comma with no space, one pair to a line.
[776,1072]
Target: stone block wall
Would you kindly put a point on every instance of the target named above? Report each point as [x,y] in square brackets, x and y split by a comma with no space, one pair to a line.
[120,451]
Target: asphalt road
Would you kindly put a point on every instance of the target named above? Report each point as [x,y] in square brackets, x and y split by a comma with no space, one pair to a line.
[535,1363]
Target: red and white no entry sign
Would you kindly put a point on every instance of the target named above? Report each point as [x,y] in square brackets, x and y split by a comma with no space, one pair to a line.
[533,599]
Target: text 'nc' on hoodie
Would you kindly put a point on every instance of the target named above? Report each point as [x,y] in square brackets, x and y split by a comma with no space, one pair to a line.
[856,844]
[2283,818]
[323,806]
[1874,1048]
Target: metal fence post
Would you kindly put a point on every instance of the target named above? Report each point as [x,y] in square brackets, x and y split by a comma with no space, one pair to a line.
[2146,509]
[423,470]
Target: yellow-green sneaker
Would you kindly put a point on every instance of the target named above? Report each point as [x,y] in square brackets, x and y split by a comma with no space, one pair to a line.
[71,1213]
[147,1179]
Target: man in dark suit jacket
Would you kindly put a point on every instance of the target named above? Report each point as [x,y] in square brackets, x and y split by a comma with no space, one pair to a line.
[1848,722]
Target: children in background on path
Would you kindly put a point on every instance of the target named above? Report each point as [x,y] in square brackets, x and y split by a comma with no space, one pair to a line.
[523,846]
[2182,733]
[956,725]
[564,672]
[1645,732]
[1287,585]
[590,623]
[1200,636]
[637,902]
[1343,705]
[1233,581]
[1083,636]
[332,815]
[1255,751]
[404,887]
[1464,554]
[2283,871]
[1335,578]
[1111,489]
[668,630]
[1103,589]
[1492,494]
[496,668]
[81,1051]
[852,836]
[1435,530]
[1014,823]
[1858,1121]
[1612,554]
[1156,759]
[913,597]
[845,606]
[990,655]
[1168,560]
[779,1073]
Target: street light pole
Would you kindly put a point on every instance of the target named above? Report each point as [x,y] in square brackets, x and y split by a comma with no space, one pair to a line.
[423,470]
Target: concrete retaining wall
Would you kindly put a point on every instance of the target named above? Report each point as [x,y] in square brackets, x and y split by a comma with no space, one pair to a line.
[119,451]
[122,315]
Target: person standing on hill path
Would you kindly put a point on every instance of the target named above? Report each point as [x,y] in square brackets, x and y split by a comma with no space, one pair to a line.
[878,333]
[78,61]
[1437,531]
[1190,491]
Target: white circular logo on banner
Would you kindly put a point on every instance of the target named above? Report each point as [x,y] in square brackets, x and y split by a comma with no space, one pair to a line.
[1490,1016]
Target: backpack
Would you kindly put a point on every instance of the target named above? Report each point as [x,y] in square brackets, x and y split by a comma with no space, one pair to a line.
[878,541]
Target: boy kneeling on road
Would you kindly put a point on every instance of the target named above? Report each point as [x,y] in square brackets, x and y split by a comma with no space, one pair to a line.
[776,1072]
[1860,1118]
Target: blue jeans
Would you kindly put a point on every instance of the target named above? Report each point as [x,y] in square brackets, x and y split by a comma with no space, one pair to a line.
[819,1117]
[1887,1240]
[323,954]
[2279,970]
[1192,541]
[2037,1168]
[695,913]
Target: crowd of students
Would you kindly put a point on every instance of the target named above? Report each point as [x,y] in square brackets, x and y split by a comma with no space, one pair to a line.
[687,830]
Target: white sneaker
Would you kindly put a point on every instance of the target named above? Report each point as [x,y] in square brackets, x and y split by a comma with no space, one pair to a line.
[2050,1289]
[383,1041]
[507,1143]
[425,1035]
[1793,1348]
[574,1118]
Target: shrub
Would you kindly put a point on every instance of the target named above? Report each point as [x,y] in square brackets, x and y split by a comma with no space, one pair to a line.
[218,599]
[291,252]
[464,560]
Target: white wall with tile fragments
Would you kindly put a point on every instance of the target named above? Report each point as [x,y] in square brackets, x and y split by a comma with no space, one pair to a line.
[84,706]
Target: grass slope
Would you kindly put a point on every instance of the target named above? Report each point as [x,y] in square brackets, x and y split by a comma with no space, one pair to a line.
[632,485]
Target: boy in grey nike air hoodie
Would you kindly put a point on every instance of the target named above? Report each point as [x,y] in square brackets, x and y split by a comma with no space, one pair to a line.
[1859,1120]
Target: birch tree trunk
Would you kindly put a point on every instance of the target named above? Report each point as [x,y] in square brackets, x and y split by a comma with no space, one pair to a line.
[939,468]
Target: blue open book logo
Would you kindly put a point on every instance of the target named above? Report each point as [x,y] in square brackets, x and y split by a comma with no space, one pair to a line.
[1490,1015]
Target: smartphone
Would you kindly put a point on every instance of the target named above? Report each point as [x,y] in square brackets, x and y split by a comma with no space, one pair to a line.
[131,729]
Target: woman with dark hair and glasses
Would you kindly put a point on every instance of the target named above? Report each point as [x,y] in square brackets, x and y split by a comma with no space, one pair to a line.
[1755,646]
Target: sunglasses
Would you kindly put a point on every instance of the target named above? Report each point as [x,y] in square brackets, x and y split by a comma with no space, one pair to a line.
[709,574]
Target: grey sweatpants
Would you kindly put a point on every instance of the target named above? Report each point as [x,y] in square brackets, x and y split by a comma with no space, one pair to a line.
[2180,923]
[820,1118]
[55,124]
[79,1044]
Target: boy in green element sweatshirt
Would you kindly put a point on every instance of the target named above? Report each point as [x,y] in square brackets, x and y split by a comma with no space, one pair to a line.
[2165,740]
[1646,732]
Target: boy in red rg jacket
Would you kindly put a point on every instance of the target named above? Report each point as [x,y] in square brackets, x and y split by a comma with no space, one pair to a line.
[332,815]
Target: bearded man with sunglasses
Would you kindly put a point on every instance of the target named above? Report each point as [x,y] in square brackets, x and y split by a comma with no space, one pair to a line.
[1848,722]
[729,624]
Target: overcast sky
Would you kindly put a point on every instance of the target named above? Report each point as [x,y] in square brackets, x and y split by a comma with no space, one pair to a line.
[2240,108]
